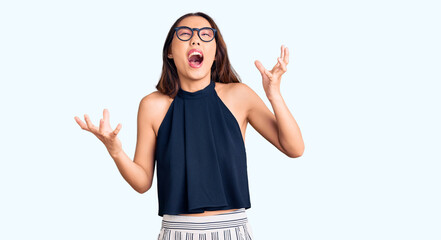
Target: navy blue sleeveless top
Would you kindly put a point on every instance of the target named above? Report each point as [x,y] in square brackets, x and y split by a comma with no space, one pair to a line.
[200,156]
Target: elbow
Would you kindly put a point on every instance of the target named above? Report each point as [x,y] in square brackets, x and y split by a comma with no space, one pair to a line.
[296,154]
[142,190]
[293,150]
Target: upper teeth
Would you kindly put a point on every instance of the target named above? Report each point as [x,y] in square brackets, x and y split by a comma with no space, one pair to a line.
[195,53]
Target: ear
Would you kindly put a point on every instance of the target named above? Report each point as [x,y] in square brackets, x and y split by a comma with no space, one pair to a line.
[170,55]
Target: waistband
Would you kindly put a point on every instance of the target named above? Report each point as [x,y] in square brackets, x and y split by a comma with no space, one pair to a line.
[224,220]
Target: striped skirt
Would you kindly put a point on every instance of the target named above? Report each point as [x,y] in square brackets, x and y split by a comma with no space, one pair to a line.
[226,226]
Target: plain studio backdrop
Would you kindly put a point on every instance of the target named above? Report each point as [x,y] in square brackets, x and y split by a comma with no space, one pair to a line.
[363,84]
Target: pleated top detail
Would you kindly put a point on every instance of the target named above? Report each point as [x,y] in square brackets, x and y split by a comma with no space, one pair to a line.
[200,156]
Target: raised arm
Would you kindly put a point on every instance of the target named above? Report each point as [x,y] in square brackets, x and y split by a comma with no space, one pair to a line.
[280,128]
[138,173]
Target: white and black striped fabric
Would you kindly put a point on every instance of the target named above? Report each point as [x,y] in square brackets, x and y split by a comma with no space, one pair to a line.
[226,226]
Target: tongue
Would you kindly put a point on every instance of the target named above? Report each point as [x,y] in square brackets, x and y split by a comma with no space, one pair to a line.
[196,59]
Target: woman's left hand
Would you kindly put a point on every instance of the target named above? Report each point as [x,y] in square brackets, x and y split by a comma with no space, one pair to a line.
[271,79]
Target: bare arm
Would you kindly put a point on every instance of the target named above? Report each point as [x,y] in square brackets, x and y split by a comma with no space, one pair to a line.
[288,130]
[133,173]
[138,173]
[280,128]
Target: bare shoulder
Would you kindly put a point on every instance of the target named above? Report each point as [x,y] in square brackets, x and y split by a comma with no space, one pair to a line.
[153,107]
[242,93]
[155,101]
[245,90]
[240,100]
[237,90]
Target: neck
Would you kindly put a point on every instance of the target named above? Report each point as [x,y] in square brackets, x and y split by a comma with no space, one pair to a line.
[193,85]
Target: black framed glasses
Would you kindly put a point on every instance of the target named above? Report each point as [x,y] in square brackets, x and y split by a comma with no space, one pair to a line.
[185,33]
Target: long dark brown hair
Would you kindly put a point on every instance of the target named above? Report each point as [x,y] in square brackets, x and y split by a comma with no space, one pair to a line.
[221,70]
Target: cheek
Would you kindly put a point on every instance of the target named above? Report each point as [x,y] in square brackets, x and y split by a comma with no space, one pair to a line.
[214,56]
[211,55]
[178,51]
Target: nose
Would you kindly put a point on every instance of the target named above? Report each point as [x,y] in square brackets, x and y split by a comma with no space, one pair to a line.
[195,39]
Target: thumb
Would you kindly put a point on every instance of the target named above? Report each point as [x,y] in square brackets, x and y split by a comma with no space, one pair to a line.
[260,67]
[116,131]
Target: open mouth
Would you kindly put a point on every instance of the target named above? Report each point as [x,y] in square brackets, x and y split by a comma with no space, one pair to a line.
[195,59]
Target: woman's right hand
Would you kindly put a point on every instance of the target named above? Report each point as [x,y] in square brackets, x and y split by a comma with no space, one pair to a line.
[103,132]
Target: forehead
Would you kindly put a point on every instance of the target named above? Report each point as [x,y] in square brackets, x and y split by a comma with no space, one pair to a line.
[194,22]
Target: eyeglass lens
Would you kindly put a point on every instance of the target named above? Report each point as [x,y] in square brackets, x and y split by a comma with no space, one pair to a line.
[206,34]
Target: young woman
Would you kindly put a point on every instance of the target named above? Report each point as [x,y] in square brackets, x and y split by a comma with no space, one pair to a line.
[193,127]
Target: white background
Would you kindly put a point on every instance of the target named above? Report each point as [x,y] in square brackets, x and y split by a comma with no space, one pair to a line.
[362,83]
